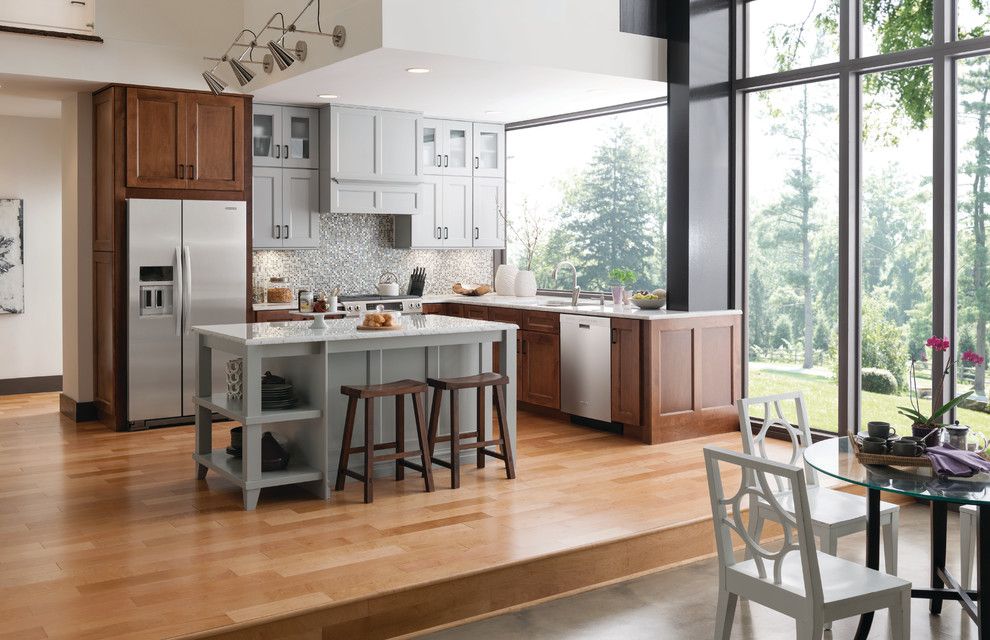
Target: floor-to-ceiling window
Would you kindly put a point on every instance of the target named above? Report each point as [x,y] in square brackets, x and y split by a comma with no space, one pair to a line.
[590,190]
[865,133]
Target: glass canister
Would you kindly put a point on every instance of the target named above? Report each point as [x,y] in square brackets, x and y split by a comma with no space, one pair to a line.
[305,300]
[279,291]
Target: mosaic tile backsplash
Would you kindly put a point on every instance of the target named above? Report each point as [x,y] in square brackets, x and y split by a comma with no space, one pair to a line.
[354,251]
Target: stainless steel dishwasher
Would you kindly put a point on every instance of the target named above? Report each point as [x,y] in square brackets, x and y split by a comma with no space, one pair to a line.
[586,367]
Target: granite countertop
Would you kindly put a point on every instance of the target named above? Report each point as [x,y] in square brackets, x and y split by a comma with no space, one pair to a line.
[345,329]
[593,309]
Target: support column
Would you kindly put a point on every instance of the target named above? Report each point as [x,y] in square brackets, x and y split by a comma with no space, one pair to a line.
[699,142]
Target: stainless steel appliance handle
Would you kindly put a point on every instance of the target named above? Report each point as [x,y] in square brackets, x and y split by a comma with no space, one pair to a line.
[177,297]
[187,290]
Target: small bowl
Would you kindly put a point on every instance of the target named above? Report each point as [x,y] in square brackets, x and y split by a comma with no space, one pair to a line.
[650,305]
[388,289]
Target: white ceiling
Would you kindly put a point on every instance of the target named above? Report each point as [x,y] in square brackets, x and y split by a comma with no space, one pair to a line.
[459,87]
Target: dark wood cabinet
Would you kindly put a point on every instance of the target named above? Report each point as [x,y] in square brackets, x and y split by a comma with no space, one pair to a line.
[475,312]
[104,331]
[545,321]
[539,369]
[454,309]
[626,377]
[183,140]
[434,309]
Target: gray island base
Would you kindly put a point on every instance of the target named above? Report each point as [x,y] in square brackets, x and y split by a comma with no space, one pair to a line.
[317,362]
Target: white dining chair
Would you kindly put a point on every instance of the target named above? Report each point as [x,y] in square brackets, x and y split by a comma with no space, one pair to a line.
[834,514]
[812,587]
[969,530]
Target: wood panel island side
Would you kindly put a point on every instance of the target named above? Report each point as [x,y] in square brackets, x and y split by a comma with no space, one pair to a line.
[317,362]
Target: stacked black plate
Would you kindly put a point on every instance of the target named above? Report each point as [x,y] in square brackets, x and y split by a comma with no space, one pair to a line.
[276,393]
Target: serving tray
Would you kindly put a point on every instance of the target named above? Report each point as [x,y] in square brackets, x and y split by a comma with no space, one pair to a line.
[888,460]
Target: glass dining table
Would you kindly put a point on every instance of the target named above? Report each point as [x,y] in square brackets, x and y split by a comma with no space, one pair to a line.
[834,457]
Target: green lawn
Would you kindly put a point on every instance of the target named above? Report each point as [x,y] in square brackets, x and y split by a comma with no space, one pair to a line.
[821,397]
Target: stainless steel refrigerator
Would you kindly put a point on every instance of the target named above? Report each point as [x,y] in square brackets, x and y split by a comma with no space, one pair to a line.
[186,263]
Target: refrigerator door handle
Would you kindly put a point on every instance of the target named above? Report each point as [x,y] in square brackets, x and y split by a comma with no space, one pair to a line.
[179,300]
[186,290]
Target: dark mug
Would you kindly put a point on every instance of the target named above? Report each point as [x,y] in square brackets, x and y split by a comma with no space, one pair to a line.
[874,445]
[907,447]
[930,435]
[880,429]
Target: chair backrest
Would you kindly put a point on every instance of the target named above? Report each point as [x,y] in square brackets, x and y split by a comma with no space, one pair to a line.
[771,410]
[727,516]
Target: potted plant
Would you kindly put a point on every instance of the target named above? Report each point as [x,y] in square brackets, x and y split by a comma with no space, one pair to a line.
[623,277]
[928,424]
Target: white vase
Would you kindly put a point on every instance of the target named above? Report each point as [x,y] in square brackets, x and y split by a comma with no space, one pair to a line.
[505,280]
[525,284]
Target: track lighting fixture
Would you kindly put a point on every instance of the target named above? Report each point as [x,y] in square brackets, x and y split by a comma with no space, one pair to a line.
[241,72]
[279,55]
[216,84]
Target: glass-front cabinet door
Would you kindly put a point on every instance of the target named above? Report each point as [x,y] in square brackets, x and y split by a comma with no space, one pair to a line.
[266,135]
[489,150]
[432,134]
[299,138]
[458,138]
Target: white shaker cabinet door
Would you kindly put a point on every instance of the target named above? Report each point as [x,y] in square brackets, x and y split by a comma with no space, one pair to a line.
[458,157]
[457,204]
[267,208]
[398,138]
[300,208]
[266,135]
[489,212]
[489,150]
[431,146]
[427,225]
[354,143]
[300,138]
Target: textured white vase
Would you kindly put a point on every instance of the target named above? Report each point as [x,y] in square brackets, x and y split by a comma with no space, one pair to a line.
[505,280]
[525,284]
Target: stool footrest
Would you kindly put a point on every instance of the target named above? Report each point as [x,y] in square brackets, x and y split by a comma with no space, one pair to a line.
[354,474]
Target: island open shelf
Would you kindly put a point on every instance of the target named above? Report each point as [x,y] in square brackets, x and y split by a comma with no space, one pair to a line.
[318,362]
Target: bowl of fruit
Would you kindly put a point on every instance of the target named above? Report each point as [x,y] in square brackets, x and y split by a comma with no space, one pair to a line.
[650,300]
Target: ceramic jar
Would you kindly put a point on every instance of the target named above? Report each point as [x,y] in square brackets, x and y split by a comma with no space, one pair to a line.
[505,280]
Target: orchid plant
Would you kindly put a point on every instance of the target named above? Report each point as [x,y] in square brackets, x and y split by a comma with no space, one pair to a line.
[937,344]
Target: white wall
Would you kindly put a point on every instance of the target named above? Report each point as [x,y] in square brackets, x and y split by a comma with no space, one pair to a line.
[77,246]
[31,170]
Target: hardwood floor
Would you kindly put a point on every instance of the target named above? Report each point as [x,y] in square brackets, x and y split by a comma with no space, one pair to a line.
[110,535]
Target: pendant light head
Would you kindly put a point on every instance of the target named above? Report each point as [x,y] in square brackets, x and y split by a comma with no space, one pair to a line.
[242,73]
[281,55]
[216,84]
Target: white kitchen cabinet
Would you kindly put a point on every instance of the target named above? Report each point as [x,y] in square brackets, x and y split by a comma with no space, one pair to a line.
[374,145]
[489,150]
[396,198]
[444,219]
[446,147]
[285,137]
[489,213]
[285,208]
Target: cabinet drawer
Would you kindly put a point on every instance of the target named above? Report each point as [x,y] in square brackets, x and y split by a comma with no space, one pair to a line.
[543,321]
[512,316]
[434,309]
[475,312]
[456,310]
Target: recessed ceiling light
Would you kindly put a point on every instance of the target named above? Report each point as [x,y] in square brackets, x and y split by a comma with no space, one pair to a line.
[328,96]
[418,70]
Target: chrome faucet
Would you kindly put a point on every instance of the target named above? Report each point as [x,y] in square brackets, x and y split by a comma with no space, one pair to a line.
[576,291]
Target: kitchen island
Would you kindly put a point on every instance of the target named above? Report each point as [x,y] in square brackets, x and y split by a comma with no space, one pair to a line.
[317,362]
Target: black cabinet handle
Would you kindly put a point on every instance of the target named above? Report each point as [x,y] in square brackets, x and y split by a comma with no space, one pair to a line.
[438,164]
[446,233]
[278,151]
[477,162]
[446,160]
[278,232]
[524,347]
[182,172]
[439,234]
[286,154]
[476,233]
[286,231]
[192,172]
[615,336]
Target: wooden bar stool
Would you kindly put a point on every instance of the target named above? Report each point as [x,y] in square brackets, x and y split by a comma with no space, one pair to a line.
[497,382]
[368,393]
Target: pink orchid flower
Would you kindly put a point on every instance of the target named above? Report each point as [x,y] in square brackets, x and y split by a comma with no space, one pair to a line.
[938,344]
[970,356]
